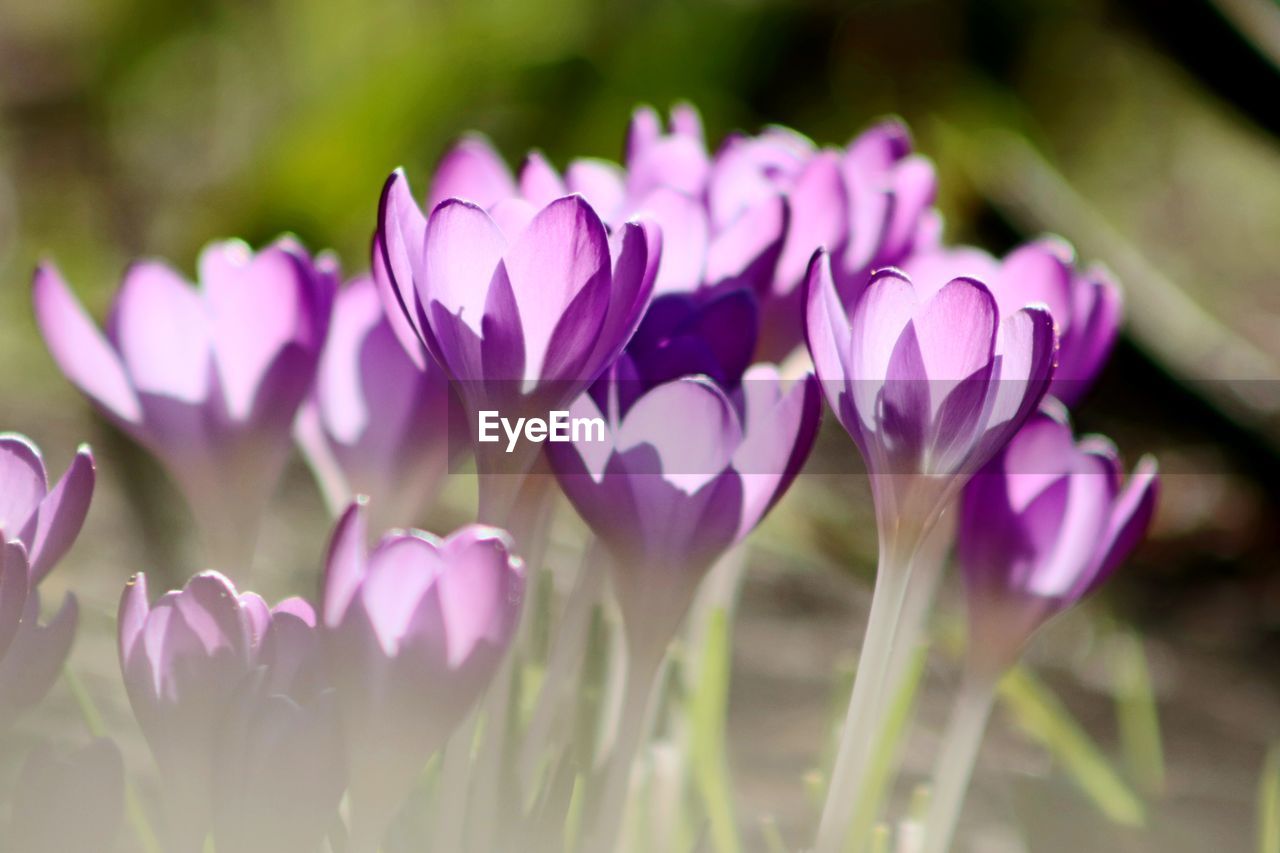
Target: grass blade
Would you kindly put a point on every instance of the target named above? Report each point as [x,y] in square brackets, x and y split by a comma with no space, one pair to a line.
[1043,717]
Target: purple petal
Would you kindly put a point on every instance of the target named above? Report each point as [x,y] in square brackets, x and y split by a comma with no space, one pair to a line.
[600,182]
[471,170]
[562,252]
[540,183]
[23,485]
[258,307]
[344,566]
[80,350]
[172,359]
[480,590]
[61,515]
[819,218]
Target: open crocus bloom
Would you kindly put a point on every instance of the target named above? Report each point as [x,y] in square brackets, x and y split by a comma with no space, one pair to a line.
[376,424]
[684,472]
[415,631]
[1085,304]
[186,662]
[930,383]
[207,379]
[1042,526]
[45,521]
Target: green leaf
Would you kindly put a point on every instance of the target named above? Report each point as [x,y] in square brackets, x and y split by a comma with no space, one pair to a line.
[1136,713]
[709,707]
[1043,717]
[1269,802]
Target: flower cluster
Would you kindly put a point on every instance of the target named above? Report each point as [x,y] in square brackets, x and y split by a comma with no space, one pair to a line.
[671,298]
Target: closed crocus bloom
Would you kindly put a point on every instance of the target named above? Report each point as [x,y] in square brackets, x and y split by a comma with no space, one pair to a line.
[1042,526]
[183,660]
[208,379]
[929,380]
[677,478]
[524,308]
[280,767]
[46,521]
[376,424]
[68,803]
[683,473]
[1086,304]
[415,630]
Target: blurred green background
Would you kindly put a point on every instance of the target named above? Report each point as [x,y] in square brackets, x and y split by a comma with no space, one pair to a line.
[1146,132]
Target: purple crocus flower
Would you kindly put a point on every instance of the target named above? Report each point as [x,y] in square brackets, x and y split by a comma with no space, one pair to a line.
[207,379]
[1041,526]
[68,803]
[522,307]
[1085,304]
[183,660]
[415,630]
[376,424]
[929,380]
[45,521]
[279,771]
[683,473]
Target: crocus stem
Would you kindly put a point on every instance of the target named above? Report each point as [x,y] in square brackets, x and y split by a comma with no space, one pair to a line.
[955,764]
[865,706]
[567,652]
[639,703]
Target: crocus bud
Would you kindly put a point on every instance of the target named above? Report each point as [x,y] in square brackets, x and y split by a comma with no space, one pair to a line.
[524,308]
[1042,526]
[415,630]
[68,803]
[1086,305]
[207,379]
[375,423]
[183,660]
[684,472]
[279,770]
[45,521]
[930,383]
